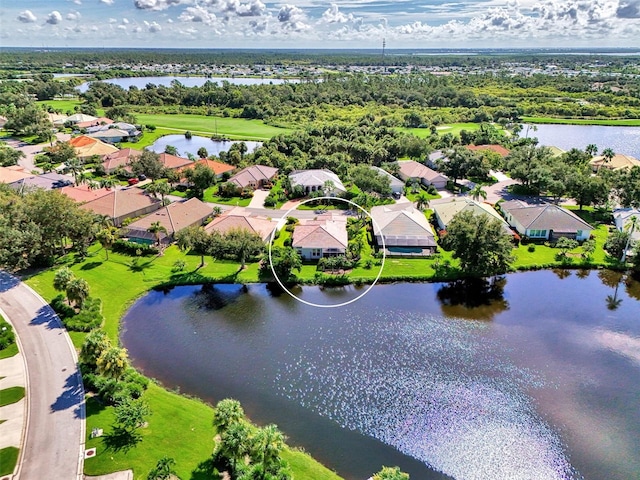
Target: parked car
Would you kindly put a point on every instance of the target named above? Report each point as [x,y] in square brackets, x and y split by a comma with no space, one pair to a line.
[132,181]
[142,177]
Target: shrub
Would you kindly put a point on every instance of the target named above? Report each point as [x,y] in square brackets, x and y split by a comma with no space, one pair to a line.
[179,265]
[89,317]
[131,248]
[531,248]
[7,337]
[270,201]
[62,308]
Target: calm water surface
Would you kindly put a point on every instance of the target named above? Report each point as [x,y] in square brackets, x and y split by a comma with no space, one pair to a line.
[193,144]
[624,140]
[142,82]
[543,383]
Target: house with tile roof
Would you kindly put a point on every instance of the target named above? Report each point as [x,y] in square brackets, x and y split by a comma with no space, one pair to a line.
[618,162]
[410,169]
[174,217]
[13,174]
[120,159]
[83,193]
[239,219]
[445,211]
[544,220]
[218,168]
[120,204]
[173,162]
[45,181]
[315,239]
[315,181]
[87,147]
[80,117]
[256,176]
[404,229]
[499,149]
[100,121]
[110,135]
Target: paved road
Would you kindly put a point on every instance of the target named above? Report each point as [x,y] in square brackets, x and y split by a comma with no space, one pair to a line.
[54,440]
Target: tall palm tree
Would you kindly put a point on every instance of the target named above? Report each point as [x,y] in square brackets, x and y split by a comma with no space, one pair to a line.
[607,155]
[228,412]
[630,226]
[157,228]
[422,202]
[476,192]
[75,167]
[269,444]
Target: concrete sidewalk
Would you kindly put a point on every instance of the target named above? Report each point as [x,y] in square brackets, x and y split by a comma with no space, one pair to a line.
[12,371]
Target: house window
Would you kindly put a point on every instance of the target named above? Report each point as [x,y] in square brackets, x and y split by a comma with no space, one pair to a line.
[537,233]
[578,233]
[316,252]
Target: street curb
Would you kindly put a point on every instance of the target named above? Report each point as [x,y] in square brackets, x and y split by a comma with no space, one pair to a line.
[25,424]
[74,355]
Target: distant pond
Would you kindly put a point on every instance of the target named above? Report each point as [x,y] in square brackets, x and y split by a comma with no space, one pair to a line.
[193,144]
[142,82]
[542,381]
[625,140]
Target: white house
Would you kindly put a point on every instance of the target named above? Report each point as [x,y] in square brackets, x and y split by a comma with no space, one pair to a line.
[316,181]
[622,217]
[397,185]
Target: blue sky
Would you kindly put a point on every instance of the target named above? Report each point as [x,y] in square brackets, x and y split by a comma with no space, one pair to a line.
[319,24]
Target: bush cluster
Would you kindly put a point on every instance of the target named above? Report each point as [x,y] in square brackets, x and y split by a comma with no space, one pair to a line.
[88,318]
[112,391]
[7,337]
[130,248]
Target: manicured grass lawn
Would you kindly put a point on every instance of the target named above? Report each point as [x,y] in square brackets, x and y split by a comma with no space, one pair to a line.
[453,128]
[148,138]
[10,351]
[211,197]
[62,105]
[8,459]
[202,124]
[11,395]
[583,121]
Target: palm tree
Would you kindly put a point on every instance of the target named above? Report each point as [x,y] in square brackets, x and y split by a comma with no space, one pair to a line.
[107,237]
[62,278]
[108,183]
[157,228]
[227,413]
[217,211]
[163,469]
[422,202]
[113,362]
[631,226]
[75,167]
[269,444]
[476,192]
[607,155]
[77,291]
[235,443]
[162,188]
[591,149]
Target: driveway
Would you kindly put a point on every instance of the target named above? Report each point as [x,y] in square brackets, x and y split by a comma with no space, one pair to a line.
[53,445]
[498,191]
[257,201]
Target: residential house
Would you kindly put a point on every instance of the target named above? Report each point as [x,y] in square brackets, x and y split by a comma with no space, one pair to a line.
[397,185]
[256,176]
[622,217]
[100,121]
[83,193]
[87,147]
[618,162]
[174,218]
[404,229]
[320,238]
[499,149]
[445,211]
[80,118]
[218,168]
[110,135]
[544,220]
[13,174]
[120,204]
[173,162]
[316,181]
[410,169]
[45,181]
[239,219]
[120,159]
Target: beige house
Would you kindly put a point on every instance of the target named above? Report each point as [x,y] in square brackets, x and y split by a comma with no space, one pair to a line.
[239,219]
[410,169]
[256,176]
[618,162]
[445,212]
[174,217]
[121,204]
[404,229]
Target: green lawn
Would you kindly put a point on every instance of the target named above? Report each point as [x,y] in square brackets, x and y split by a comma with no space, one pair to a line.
[211,197]
[62,105]
[148,138]
[11,395]
[634,122]
[238,128]
[10,351]
[8,459]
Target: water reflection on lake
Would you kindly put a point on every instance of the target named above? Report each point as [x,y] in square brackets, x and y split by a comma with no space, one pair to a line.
[192,145]
[541,382]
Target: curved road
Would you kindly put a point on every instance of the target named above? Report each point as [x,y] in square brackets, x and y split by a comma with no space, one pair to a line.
[53,443]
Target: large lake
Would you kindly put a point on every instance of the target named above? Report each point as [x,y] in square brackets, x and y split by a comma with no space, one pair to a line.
[142,82]
[624,140]
[541,384]
[192,145]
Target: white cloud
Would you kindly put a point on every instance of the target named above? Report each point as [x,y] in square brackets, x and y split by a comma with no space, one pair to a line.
[125,21]
[197,15]
[334,15]
[27,16]
[252,8]
[292,18]
[73,15]
[157,4]
[153,27]
[54,18]
[107,2]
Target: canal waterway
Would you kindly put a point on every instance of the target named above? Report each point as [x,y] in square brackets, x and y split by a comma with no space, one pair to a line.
[542,382]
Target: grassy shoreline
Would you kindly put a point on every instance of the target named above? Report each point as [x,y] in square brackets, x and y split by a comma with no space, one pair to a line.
[610,122]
